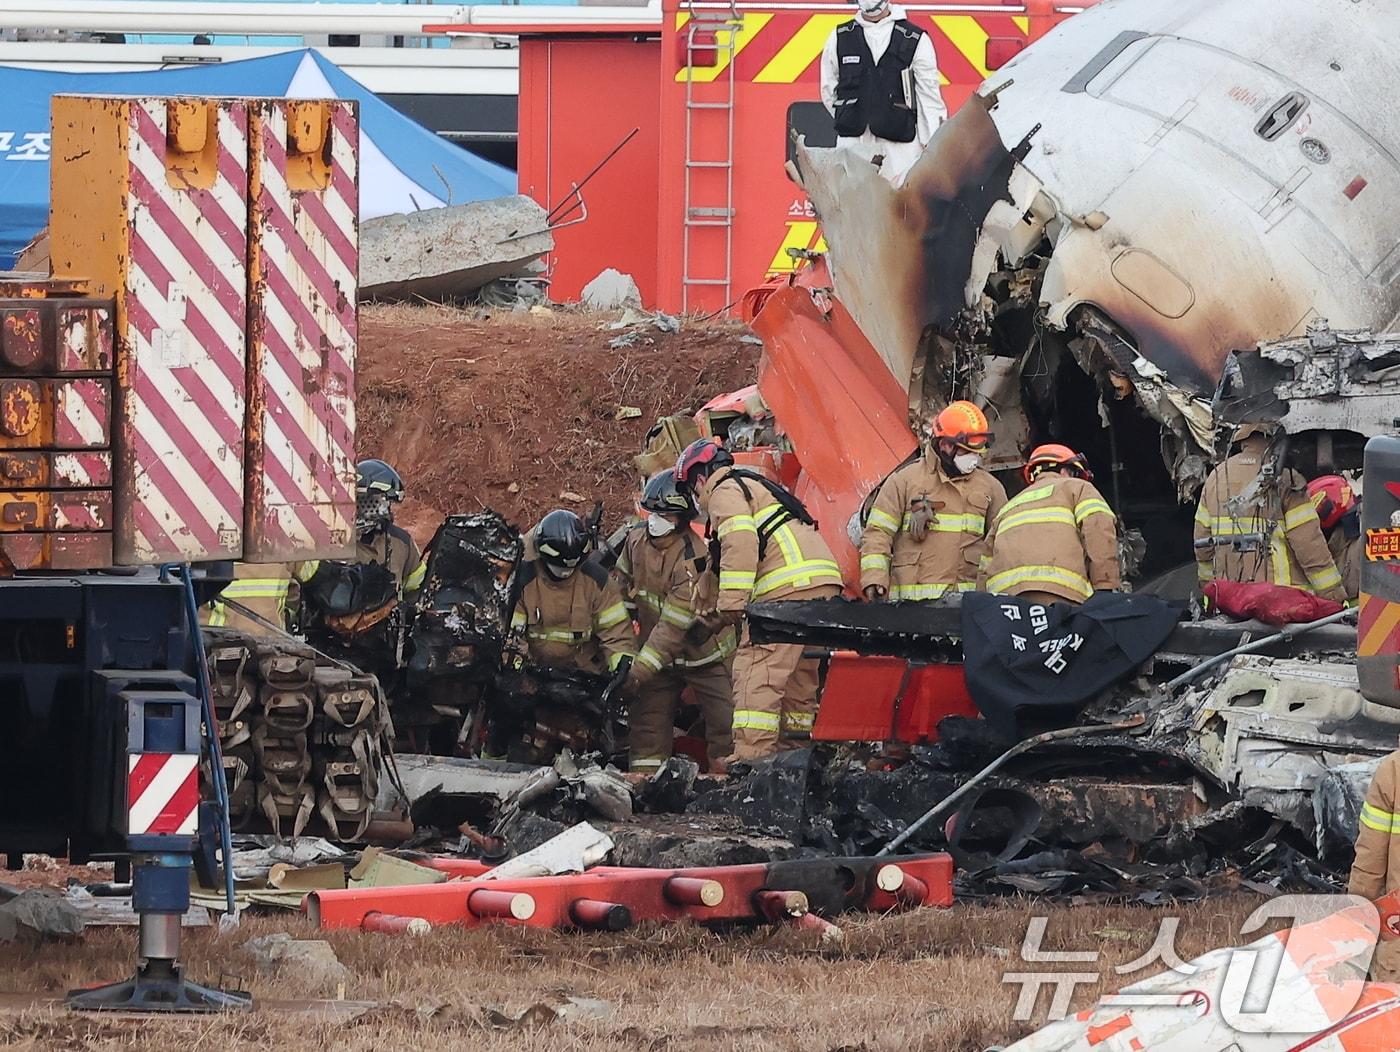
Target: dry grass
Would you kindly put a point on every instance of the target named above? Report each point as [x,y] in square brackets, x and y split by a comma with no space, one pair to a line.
[927,980]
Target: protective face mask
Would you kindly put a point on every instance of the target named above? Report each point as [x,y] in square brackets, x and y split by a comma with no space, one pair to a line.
[657,526]
[558,572]
[871,8]
[966,463]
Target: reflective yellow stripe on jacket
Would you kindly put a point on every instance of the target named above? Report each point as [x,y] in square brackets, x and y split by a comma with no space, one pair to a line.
[1382,821]
[1033,575]
[796,572]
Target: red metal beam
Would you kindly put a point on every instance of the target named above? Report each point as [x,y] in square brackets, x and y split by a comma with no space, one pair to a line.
[609,895]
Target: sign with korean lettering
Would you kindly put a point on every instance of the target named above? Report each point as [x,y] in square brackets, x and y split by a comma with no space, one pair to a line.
[1383,545]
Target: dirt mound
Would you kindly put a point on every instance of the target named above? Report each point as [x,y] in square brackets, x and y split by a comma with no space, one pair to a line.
[510,411]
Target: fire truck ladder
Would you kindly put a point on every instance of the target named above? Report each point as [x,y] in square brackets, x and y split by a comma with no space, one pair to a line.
[714,32]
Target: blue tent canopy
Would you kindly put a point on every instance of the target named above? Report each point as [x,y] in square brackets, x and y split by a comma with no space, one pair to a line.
[403,166]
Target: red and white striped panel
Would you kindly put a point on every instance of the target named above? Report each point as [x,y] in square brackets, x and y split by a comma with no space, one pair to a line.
[162,794]
[82,414]
[182,391]
[302,332]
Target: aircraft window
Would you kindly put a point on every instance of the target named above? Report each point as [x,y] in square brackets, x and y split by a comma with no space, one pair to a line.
[1279,119]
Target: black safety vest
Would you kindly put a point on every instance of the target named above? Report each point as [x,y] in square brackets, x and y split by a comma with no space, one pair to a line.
[870,94]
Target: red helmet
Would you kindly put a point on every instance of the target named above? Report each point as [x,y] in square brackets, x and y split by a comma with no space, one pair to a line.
[700,457]
[964,425]
[1333,497]
[1053,456]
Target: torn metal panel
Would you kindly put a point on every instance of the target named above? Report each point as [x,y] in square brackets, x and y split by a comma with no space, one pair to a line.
[1271,729]
[1337,801]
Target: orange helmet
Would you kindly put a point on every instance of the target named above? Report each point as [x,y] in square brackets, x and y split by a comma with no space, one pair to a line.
[963,424]
[1333,497]
[1053,456]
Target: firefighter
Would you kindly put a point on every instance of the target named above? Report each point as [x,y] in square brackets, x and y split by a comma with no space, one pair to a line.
[388,567]
[570,614]
[1339,515]
[261,588]
[663,573]
[926,533]
[1262,533]
[1376,870]
[1056,541]
[768,550]
[880,81]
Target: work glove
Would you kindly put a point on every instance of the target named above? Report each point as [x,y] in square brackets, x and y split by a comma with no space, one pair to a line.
[719,620]
[874,593]
[921,517]
[641,675]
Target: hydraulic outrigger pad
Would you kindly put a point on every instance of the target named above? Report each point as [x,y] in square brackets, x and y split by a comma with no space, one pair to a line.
[157,986]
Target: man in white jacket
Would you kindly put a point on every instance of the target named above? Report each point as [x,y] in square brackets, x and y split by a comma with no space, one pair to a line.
[880,82]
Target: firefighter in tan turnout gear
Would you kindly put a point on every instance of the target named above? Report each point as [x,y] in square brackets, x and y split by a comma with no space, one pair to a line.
[769,550]
[1257,524]
[570,613]
[926,533]
[664,575]
[1376,871]
[1057,540]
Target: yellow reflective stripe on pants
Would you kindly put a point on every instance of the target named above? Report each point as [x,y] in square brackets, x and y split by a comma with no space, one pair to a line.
[257,588]
[721,650]
[752,719]
[918,591]
[882,521]
[1382,821]
[218,615]
[1033,575]
[1034,517]
[798,721]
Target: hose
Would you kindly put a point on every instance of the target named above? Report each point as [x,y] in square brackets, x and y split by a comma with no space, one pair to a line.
[216,751]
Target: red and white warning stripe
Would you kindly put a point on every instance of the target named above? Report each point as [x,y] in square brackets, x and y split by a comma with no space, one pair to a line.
[302,311]
[162,793]
[183,393]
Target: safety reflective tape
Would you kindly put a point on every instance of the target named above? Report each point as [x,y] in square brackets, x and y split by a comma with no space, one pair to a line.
[1325,580]
[517,619]
[918,591]
[1382,821]
[415,579]
[882,521]
[675,616]
[614,660]
[1278,558]
[875,561]
[1092,506]
[754,720]
[1034,517]
[557,635]
[941,523]
[736,524]
[652,601]
[1026,496]
[307,570]
[162,794]
[646,763]
[1299,516]
[218,615]
[798,721]
[1204,571]
[736,580]
[1040,575]
[613,615]
[650,658]
[806,574]
[1222,526]
[1203,516]
[257,588]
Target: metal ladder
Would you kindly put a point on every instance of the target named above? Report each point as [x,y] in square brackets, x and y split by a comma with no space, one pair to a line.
[725,24]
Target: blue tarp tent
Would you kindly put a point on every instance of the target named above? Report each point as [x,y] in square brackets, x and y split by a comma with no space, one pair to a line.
[403,166]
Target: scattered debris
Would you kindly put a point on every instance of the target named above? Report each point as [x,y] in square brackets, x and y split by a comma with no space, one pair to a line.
[99,911]
[572,851]
[446,254]
[612,290]
[37,914]
[377,869]
[627,412]
[313,960]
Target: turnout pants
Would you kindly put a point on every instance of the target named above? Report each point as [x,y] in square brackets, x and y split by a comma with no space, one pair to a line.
[775,697]
[652,717]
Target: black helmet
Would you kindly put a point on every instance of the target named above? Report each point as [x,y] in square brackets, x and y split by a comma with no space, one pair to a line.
[561,542]
[662,496]
[376,485]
